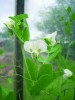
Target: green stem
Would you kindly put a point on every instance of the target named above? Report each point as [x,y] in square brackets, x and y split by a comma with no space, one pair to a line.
[25,68]
[67,54]
[25,63]
[6,76]
[68,49]
[46,58]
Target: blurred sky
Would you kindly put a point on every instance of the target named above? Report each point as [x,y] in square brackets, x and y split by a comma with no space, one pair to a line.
[7,8]
[32,7]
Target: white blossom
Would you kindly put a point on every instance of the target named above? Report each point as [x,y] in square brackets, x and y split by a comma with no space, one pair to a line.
[52,37]
[35,46]
[67,73]
[9,23]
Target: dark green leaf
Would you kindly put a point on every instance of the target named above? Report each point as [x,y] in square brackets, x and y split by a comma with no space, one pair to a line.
[72,17]
[68,29]
[62,18]
[69,9]
[66,23]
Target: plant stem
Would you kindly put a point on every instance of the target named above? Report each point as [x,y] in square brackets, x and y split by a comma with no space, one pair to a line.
[46,59]
[68,48]
[67,53]
[24,68]
[25,63]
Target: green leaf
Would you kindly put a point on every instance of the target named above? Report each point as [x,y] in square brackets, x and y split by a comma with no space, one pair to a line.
[45,69]
[61,18]
[61,62]
[45,76]
[31,73]
[67,90]
[10,96]
[1,51]
[1,93]
[69,95]
[68,29]
[69,9]
[2,65]
[52,56]
[61,96]
[71,43]
[5,91]
[55,86]
[20,28]
[66,23]
[72,17]
[54,48]
[40,59]
[68,84]
[57,74]
[41,84]
[10,81]
[19,17]
[56,83]
[33,69]
[22,32]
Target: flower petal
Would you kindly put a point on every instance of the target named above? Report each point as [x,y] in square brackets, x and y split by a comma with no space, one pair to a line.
[35,46]
[40,44]
[51,37]
[28,46]
[67,73]
[53,42]
[54,35]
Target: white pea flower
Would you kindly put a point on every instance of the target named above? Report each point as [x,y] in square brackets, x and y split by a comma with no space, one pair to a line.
[67,73]
[35,46]
[51,37]
[10,23]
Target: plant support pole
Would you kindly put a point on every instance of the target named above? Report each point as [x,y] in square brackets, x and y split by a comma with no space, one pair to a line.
[18,54]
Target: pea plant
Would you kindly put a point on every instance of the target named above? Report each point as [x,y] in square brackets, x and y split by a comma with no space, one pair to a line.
[47,74]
